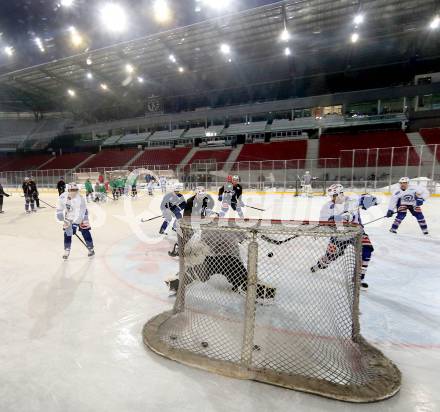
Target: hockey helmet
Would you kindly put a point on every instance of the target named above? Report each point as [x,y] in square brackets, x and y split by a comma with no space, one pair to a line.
[26,179]
[335,190]
[307,172]
[200,191]
[235,178]
[404,180]
[72,187]
[229,178]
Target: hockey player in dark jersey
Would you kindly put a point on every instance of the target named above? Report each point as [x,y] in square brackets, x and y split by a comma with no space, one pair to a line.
[2,194]
[30,191]
[231,196]
[61,186]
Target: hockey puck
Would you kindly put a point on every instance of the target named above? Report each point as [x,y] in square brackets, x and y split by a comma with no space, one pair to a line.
[270,254]
[256,347]
[173,337]
[204,344]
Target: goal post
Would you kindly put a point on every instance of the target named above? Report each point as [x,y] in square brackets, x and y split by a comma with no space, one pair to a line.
[276,302]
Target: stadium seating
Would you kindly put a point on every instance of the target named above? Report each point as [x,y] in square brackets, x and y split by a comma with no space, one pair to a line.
[273,152]
[32,162]
[66,161]
[243,128]
[331,145]
[17,127]
[111,158]
[218,156]
[432,137]
[162,156]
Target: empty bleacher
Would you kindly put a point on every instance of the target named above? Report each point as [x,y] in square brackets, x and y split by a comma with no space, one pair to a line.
[201,132]
[111,158]
[66,161]
[392,144]
[215,156]
[432,137]
[112,140]
[274,154]
[134,138]
[244,128]
[31,162]
[16,127]
[161,157]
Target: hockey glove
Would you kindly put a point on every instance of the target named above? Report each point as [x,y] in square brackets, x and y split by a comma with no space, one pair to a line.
[60,216]
[390,213]
[220,198]
[419,201]
[347,217]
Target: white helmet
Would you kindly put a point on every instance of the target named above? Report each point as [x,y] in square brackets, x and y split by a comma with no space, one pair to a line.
[404,180]
[178,187]
[72,187]
[307,172]
[236,178]
[200,191]
[335,189]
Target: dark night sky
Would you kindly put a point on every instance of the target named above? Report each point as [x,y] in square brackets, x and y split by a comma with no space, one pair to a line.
[23,20]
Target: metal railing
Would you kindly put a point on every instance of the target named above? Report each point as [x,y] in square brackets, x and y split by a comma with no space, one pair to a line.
[360,169]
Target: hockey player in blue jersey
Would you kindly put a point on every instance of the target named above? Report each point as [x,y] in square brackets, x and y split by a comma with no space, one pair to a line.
[345,209]
[172,206]
[408,198]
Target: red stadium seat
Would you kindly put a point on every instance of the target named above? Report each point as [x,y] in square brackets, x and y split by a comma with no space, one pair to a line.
[218,156]
[432,137]
[111,158]
[32,162]
[158,157]
[66,161]
[366,143]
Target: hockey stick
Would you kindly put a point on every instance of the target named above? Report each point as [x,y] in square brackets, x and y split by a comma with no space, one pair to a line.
[256,208]
[151,218]
[278,242]
[380,218]
[53,207]
[76,234]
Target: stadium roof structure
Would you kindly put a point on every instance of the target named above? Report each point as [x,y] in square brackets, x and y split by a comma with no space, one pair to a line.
[394,32]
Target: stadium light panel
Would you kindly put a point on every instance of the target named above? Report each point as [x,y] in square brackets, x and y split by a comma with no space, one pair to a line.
[113,18]
[181,69]
[217,4]
[285,36]
[162,11]
[66,3]
[129,68]
[39,44]
[89,76]
[9,51]
[89,61]
[172,58]
[358,19]
[71,93]
[435,23]
[104,86]
[287,52]
[225,48]
[354,37]
[140,79]
[75,37]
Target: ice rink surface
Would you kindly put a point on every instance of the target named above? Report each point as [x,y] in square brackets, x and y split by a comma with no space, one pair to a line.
[71,331]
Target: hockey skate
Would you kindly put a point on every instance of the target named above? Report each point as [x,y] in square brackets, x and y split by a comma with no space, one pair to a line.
[265,293]
[393,230]
[66,254]
[174,252]
[318,266]
[91,252]
[364,285]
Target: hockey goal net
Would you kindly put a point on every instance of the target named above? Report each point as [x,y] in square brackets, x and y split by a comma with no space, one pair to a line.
[276,302]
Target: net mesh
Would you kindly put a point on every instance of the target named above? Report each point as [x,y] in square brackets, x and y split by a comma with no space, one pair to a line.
[275,302]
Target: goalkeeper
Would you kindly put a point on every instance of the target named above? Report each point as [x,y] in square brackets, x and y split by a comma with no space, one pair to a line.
[345,209]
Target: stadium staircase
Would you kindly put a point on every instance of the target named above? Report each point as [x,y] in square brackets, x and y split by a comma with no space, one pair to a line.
[84,161]
[46,163]
[417,141]
[232,158]
[134,158]
[188,156]
[312,149]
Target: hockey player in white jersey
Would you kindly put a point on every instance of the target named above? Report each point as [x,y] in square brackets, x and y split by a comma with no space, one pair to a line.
[408,198]
[345,209]
[72,211]
[163,183]
[306,183]
[172,207]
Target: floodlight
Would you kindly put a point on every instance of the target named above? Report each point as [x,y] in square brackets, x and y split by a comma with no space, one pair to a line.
[89,76]
[435,23]
[354,37]
[287,52]
[71,93]
[140,79]
[284,36]
[172,58]
[9,51]
[225,48]
[162,11]
[129,68]
[358,19]
[181,69]
[66,3]
[104,86]
[89,61]
[113,17]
